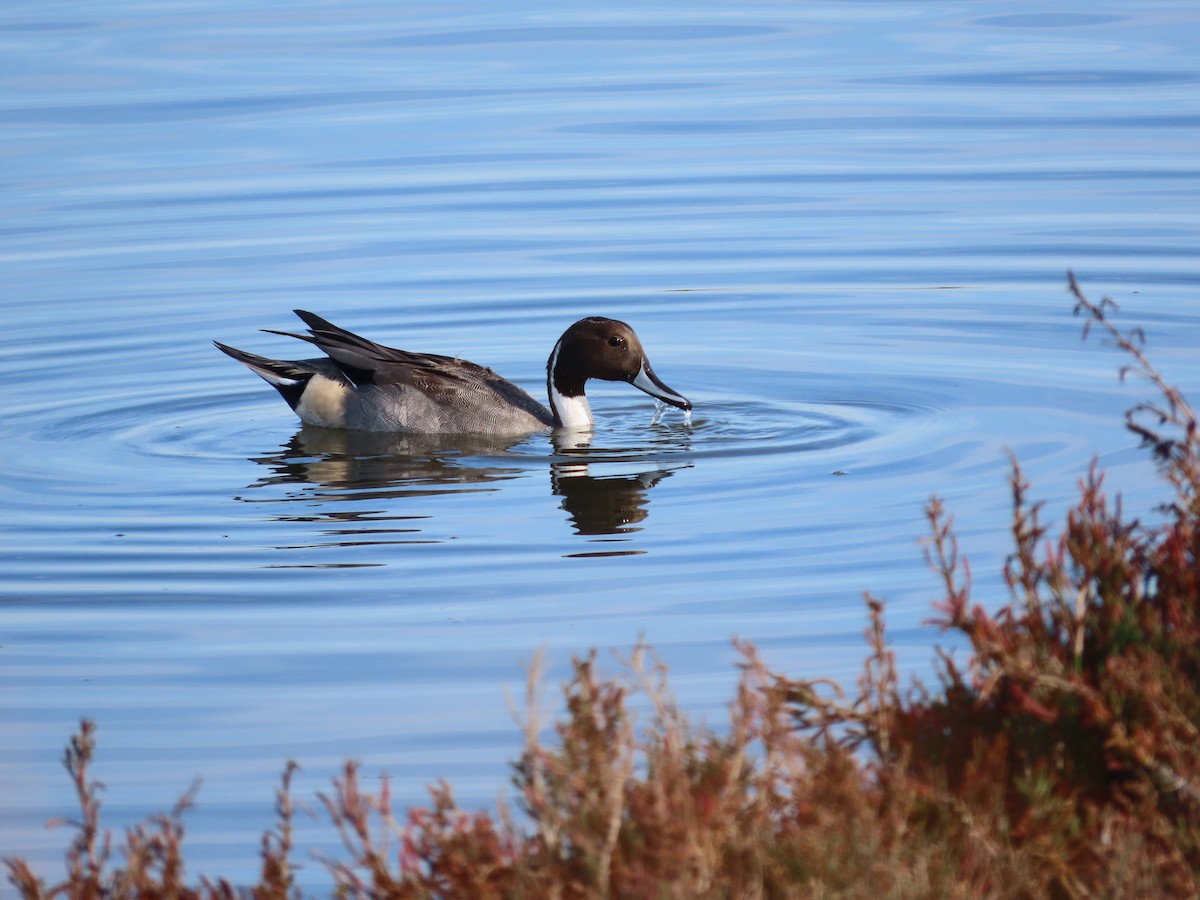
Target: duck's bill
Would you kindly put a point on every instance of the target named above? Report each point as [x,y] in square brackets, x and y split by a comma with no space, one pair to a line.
[647,381]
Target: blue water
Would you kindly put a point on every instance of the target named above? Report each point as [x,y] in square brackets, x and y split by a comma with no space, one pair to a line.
[841,229]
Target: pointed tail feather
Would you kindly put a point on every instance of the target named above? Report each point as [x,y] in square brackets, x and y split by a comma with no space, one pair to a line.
[288,378]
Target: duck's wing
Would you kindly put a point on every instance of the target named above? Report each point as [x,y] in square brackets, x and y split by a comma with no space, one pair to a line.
[365,362]
[445,380]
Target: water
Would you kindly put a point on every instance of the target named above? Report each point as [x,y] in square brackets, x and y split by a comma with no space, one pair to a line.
[840,229]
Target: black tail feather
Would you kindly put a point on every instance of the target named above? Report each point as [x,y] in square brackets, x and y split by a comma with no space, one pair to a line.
[287,378]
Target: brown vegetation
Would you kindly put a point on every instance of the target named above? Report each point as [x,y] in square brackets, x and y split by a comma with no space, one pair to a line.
[1061,761]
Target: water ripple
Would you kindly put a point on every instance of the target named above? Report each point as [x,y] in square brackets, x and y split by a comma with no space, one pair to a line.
[841,229]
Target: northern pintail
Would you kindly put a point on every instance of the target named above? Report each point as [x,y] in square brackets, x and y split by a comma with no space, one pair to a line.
[366,386]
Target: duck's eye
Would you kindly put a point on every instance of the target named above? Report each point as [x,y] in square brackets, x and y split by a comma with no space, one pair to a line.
[615,341]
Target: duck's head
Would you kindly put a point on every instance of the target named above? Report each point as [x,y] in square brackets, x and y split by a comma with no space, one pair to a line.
[607,349]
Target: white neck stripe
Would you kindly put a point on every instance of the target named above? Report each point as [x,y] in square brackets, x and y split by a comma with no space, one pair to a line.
[573,413]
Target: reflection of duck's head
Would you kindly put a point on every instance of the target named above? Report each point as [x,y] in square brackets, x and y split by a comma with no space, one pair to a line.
[608,505]
[366,386]
[611,504]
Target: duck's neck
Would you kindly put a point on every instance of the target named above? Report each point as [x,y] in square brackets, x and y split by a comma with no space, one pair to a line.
[568,402]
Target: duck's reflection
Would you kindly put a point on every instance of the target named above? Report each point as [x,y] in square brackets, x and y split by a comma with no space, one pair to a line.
[385,465]
[350,480]
[602,496]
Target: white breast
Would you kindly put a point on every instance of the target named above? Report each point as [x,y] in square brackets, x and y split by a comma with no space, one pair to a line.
[323,403]
[574,412]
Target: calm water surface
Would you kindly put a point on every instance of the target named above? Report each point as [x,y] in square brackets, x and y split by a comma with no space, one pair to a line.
[841,229]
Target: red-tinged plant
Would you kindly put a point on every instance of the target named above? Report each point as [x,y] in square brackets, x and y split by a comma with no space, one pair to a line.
[277,878]
[90,849]
[152,851]
[1077,716]
[438,852]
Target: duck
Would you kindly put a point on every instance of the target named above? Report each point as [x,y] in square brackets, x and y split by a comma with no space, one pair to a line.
[360,385]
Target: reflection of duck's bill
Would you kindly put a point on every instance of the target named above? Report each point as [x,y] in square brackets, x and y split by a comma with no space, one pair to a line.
[647,381]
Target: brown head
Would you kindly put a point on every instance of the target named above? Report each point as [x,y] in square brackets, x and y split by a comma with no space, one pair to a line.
[607,349]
